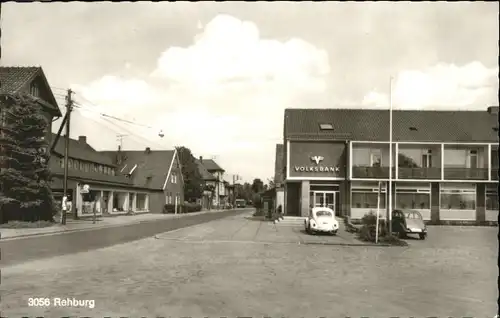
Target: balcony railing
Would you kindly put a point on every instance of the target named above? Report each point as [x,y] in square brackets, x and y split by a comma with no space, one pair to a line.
[494,173]
[466,173]
[371,172]
[419,173]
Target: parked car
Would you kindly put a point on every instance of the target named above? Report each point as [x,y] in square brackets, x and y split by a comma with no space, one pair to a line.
[406,222]
[321,219]
[240,203]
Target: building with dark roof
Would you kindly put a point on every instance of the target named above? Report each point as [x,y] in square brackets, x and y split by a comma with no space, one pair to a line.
[213,176]
[30,81]
[279,179]
[138,181]
[157,171]
[444,163]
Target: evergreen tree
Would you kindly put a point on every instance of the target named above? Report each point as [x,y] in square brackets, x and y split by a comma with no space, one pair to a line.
[25,193]
[192,178]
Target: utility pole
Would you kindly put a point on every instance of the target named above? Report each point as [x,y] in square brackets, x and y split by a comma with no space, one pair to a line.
[69,108]
[235,178]
[119,138]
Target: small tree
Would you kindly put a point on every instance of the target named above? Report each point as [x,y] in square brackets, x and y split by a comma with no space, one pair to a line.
[192,178]
[25,175]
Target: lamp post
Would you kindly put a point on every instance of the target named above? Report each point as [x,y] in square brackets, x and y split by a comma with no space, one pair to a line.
[390,158]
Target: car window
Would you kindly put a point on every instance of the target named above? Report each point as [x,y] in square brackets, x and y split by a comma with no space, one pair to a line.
[413,216]
[323,213]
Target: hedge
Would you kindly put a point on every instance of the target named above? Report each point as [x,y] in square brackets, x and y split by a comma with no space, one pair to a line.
[182,208]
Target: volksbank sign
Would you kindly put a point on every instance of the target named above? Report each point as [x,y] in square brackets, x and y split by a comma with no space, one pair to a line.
[317,167]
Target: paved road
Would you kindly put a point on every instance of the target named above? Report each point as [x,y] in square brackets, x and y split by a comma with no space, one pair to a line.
[30,248]
[228,268]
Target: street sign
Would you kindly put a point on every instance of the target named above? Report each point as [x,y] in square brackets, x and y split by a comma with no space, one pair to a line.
[85,189]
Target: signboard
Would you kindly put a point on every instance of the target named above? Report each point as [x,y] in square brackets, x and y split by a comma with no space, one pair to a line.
[85,189]
[317,159]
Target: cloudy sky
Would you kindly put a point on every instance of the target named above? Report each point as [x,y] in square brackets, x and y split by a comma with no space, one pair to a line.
[216,77]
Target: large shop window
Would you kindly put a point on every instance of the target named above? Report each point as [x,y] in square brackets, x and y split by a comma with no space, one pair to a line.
[367,198]
[458,197]
[492,198]
[413,199]
[141,202]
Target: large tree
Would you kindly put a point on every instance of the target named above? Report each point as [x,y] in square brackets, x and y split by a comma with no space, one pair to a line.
[257,185]
[193,183]
[25,193]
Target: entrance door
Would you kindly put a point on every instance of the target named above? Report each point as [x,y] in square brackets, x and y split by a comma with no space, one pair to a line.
[324,199]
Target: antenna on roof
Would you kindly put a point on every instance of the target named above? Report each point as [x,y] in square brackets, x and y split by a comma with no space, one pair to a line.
[119,138]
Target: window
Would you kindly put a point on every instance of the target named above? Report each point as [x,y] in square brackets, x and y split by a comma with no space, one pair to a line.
[173,178]
[100,168]
[106,170]
[456,198]
[376,158]
[113,172]
[70,163]
[427,159]
[81,165]
[86,167]
[367,198]
[61,162]
[492,198]
[472,159]
[413,199]
[34,90]
[326,126]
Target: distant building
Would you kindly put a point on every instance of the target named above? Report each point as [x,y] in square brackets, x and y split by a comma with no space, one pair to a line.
[278,176]
[445,163]
[213,176]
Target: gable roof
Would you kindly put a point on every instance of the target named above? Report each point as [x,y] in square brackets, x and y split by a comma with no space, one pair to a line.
[373,125]
[279,164]
[205,175]
[14,78]
[210,165]
[151,169]
[81,150]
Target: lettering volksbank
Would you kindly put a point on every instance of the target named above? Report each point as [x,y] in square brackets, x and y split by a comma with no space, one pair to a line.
[317,168]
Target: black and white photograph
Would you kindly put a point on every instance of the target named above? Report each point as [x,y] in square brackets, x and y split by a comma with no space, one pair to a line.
[249,159]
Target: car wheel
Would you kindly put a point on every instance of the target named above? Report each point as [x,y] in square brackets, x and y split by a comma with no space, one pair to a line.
[422,236]
[333,233]
[402,235]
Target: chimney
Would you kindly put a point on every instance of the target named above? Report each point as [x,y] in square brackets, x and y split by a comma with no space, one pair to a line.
[201,158]
[493,110]
[148,150]
[82,139]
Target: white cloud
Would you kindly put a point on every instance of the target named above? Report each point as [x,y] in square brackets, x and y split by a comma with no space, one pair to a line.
[444,86]
[224,95]
[231,49]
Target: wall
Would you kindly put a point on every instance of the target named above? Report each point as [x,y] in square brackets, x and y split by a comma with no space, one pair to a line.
[280,198]
[177,187]
[333,154]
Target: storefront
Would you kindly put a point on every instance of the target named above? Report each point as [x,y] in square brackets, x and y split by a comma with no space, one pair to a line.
[316,176]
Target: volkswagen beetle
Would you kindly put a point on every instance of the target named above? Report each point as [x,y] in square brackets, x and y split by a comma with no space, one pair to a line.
[323,220]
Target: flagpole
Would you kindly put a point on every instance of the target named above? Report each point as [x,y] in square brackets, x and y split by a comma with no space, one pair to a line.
[390,158]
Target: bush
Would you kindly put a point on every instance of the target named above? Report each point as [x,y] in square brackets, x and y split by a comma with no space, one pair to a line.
[182,208]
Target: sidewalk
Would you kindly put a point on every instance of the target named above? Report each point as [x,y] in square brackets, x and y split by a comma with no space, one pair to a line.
[102,222]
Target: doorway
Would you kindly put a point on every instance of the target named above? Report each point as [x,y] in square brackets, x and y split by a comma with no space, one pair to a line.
[324,199]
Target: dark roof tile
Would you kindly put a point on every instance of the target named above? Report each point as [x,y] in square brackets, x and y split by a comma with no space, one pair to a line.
[82,151]
[211,165]
[373,125]
[152,168]
[205,175]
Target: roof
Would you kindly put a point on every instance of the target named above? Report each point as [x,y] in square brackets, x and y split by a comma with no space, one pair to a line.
[205,175]
[279,164]
[152,167]
[372,125]
[211,165]
[81,150]
[15,78]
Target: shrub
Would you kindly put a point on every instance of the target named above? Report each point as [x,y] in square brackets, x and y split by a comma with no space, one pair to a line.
[191,207]
[393,240]
[182,208]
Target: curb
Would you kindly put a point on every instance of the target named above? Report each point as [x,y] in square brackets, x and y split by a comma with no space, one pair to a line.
[349,244]
[98,227]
